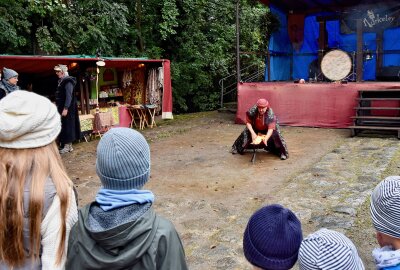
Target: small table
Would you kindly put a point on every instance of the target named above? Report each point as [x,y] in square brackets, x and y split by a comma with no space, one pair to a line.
[152,112]
[140,111]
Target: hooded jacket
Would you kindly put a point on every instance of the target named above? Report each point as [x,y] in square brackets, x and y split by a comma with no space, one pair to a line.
[148,242]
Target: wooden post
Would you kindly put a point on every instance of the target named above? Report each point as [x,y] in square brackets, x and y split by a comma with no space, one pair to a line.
[379,52]
[238,41]
[321,45]
[269,65]
[321,41]
[359,54]
[87,95]
[82,94]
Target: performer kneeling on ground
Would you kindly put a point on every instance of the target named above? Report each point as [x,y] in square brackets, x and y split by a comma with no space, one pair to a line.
[260,119]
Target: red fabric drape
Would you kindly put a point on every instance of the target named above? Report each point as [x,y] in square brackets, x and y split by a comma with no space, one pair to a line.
[296,30]
[327,105]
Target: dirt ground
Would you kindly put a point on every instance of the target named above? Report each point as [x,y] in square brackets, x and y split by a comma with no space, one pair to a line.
[207,192]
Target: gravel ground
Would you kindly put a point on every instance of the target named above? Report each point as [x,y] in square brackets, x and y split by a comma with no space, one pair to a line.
[209,194]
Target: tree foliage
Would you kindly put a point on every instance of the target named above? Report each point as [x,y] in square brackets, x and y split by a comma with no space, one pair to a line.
[198,36]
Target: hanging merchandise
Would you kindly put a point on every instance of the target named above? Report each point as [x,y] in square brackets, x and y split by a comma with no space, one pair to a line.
[160,77]
[126,86]
[138,86]
[126,78]
[160,83]
[153,90]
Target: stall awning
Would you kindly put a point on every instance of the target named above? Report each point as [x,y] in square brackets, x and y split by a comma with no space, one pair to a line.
[44,64]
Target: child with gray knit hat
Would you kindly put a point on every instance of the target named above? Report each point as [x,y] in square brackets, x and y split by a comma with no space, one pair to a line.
[8,83]
[328,250]
[120,229]
[385,214]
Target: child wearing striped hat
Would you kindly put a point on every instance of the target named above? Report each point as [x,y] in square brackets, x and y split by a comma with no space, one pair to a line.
[328,250]
[385,214]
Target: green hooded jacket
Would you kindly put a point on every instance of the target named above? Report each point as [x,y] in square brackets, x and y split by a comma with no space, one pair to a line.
[147,243]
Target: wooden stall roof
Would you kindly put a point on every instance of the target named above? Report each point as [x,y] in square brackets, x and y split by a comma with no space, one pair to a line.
[44,65]
[309,6]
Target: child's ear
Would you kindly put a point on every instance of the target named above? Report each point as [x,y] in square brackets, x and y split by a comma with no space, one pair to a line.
[383,239]
[379,238]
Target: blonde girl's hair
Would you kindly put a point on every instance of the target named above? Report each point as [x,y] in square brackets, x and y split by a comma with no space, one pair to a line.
[16,166]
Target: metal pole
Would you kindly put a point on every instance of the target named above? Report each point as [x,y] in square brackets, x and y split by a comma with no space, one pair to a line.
[237,42]
[222,94]
[359,55]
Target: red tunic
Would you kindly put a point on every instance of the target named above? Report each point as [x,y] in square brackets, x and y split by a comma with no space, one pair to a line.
[259,122]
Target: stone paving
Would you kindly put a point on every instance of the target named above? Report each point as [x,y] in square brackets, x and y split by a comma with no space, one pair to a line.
[331,192]
[339,183]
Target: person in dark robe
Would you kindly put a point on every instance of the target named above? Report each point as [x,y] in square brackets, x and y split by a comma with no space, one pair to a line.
[261,122]
[67,108]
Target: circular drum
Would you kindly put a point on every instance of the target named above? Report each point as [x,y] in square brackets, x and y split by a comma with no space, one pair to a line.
[336,65]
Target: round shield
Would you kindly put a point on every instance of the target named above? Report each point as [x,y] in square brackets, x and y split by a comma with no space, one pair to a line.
[336,65]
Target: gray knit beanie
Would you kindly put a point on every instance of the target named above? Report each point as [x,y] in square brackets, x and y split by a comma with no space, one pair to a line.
[123,159]
[9,73]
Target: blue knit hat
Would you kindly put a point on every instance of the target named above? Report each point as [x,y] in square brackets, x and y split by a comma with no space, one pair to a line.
[272,238]
[328,250]
[9,73]
[123,159]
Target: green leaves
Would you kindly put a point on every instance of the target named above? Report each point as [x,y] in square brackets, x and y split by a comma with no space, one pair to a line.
[65,27]
[45,41]
[169,14]
[198,36]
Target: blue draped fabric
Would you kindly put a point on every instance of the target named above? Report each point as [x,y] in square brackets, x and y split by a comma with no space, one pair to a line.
[309,50]
[391,42]
[280,48]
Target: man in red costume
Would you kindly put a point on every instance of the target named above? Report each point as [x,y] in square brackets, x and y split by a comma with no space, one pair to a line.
[261,120]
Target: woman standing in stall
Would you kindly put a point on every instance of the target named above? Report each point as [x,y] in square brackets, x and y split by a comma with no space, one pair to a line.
[67,107]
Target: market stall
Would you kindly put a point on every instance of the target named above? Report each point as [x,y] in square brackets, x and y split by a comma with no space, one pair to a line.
[115,86]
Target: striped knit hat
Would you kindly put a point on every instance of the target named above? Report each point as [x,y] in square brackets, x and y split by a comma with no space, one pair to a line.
[272,238]
[385,206]
[123,159]
[328,250]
